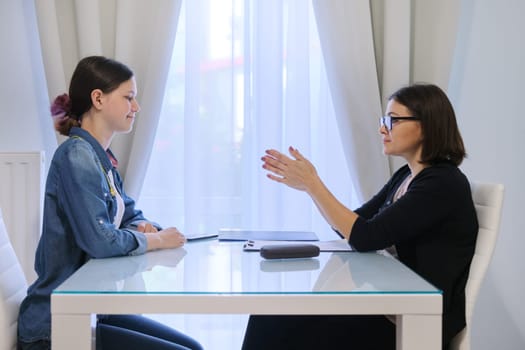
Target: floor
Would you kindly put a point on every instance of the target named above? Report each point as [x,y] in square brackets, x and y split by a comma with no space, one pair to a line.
[214,332]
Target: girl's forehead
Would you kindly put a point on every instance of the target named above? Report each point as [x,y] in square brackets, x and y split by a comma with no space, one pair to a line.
[128,86]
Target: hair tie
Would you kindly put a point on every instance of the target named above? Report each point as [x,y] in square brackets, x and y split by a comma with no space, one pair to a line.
[61,110]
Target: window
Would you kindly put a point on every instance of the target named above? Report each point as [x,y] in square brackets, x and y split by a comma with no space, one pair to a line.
[245,76]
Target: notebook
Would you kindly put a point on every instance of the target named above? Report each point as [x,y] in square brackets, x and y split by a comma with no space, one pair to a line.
[228,234]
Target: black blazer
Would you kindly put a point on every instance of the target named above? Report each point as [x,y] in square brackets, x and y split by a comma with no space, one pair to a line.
[433,227]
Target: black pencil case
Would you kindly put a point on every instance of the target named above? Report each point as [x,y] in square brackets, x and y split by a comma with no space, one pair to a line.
[287,251]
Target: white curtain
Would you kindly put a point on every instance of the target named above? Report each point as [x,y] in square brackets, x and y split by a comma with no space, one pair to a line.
[396,34]
[137,33]
[245,76]
[345,29]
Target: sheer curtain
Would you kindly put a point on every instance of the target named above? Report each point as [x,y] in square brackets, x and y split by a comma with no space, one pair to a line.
[245,76]
[347,39]
[132,31]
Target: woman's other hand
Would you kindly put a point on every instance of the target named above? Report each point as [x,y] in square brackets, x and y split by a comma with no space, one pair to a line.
[298,173]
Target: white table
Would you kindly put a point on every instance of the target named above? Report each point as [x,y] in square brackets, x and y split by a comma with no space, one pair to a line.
[212,277]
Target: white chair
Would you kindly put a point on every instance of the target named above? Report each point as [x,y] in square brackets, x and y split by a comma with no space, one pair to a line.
[13,288]
[488,199]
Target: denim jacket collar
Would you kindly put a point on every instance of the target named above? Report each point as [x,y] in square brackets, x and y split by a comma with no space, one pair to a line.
[101,153]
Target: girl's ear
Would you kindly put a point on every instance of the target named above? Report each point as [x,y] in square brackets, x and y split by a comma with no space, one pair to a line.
[96,98]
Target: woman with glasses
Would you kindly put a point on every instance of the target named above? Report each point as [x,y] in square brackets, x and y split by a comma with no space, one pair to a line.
[425,211]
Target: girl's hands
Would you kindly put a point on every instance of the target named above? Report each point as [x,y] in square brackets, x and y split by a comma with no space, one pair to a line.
[170,237]
[146,227]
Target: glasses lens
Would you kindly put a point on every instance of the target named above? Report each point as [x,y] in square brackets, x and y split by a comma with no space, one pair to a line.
[386,121]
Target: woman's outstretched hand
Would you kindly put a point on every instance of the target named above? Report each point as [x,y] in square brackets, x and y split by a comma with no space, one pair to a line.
[296,172]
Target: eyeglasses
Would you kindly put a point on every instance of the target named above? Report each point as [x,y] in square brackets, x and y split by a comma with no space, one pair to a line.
[387,120]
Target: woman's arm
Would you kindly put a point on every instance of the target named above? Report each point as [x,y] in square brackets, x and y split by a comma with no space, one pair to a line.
[431,202]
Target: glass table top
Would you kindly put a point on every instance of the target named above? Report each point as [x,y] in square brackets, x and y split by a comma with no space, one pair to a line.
[212,267]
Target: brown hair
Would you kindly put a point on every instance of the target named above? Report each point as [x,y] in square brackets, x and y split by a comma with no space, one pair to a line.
[442,140]
[93,72]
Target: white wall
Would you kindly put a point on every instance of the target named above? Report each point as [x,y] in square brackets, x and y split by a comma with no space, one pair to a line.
[435,26]
[487,89]
[25,122]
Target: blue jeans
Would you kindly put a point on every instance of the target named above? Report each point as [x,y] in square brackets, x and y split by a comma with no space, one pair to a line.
[133,332]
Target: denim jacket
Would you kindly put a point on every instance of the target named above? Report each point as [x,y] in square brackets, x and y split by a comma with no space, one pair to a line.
[79,209]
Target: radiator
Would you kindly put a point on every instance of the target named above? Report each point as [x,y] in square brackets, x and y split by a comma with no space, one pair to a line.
[21,200]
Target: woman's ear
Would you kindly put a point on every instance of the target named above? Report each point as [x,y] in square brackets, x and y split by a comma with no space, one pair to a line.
[96,98]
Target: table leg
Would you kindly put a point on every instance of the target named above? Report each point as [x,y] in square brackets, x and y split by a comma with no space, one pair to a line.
[415,332]
[71,332]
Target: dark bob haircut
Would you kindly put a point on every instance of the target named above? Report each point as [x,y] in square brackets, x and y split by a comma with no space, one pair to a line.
[441,137]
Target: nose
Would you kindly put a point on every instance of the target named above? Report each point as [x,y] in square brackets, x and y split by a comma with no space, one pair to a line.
[136,106]
[383,130]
